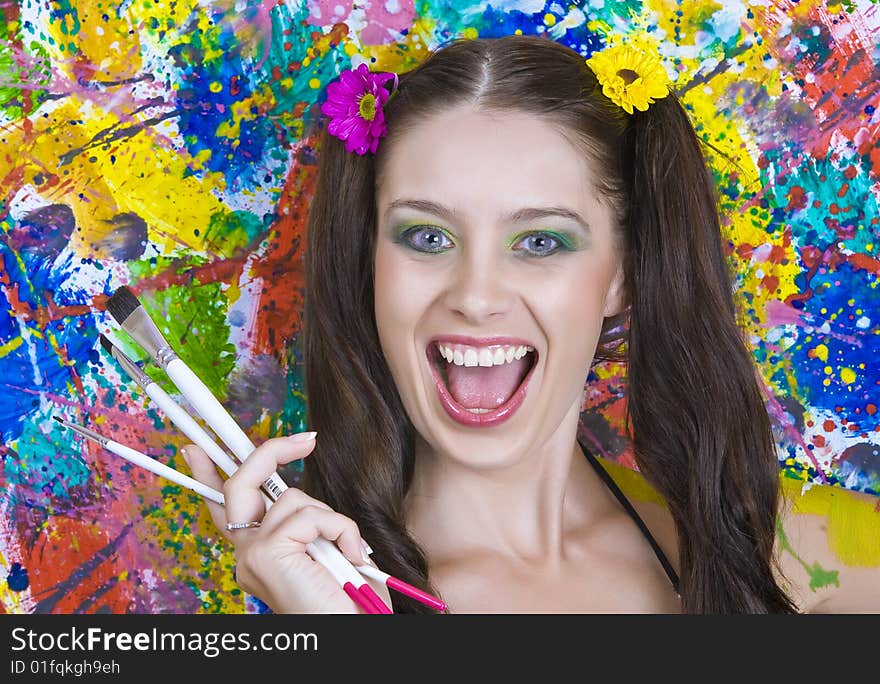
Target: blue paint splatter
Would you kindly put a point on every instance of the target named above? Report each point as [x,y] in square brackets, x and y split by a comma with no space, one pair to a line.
[841,291]
[17,579]
[45,231]
[34,367]
[206,97]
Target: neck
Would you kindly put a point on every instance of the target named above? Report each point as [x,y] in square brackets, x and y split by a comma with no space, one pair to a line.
[522,509]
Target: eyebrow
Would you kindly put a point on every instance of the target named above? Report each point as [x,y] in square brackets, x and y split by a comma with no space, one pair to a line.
[522,215]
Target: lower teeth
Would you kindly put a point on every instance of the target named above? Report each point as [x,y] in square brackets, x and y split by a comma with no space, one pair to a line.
[478,410]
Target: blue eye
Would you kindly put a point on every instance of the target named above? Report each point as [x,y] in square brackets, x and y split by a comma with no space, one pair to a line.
[539,244]
[425,239]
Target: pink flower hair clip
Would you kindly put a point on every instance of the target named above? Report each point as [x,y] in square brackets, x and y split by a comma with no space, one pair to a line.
[355,106]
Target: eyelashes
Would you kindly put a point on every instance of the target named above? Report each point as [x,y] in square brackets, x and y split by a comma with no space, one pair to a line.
[429,239]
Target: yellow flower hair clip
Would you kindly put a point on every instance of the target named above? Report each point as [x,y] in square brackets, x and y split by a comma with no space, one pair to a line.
[629,78]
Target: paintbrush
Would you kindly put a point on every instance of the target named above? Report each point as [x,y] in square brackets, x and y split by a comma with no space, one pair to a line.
[195,432]
[361,597]
[125,308]
[178,416]
[131,315]
[169,473]
[146,462]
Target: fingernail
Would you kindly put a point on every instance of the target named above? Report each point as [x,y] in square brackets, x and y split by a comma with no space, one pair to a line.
[365,552]
[185,454]
[302,437]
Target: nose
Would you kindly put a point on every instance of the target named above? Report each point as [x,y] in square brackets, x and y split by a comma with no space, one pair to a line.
[479,288]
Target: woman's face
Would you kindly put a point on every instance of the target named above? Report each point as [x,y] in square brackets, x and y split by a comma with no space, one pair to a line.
[494,267]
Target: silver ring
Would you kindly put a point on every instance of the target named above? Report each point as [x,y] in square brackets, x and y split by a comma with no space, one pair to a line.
[243,526]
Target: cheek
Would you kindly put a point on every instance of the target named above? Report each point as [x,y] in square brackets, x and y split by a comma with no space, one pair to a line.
[399,304]
[570,308]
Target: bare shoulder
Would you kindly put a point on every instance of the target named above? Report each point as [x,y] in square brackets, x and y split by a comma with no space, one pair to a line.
[828,548]
[650,506]
[827,541]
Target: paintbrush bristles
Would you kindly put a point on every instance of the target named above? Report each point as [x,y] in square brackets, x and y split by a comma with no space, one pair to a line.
[122,304]
[107,344]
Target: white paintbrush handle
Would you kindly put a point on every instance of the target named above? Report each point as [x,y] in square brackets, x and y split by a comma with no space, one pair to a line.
[198,394]
[190,428]
[319,554]
[234,437]
[321,550]
[165,471]
[331,558]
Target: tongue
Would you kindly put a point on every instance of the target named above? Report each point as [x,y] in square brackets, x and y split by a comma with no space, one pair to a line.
[485,387]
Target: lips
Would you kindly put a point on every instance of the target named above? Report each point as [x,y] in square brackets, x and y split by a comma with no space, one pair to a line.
[458,412]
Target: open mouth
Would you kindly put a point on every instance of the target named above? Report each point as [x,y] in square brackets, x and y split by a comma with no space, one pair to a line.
[486,394]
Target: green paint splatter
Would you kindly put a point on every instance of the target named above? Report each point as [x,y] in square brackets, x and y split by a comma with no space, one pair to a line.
[819,576]
[229,232]
[17,101]
[67,17]
[193,318]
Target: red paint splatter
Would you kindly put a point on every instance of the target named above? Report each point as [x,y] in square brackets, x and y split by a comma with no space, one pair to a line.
[797,198]
[770,283]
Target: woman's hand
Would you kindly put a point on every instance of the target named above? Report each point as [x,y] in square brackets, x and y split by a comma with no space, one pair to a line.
[271,560]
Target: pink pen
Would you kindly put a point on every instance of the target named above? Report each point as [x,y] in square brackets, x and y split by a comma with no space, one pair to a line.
[401,587]
[365,602]
[375,599]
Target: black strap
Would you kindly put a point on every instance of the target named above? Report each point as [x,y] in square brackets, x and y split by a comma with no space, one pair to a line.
[612,485]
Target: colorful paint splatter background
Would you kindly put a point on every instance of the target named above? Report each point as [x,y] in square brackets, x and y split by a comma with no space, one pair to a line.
[165,145]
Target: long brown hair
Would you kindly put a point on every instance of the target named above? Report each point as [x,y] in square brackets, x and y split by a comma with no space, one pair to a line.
[700,431]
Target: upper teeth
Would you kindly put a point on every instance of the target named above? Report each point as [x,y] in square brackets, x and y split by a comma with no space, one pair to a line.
[462,355]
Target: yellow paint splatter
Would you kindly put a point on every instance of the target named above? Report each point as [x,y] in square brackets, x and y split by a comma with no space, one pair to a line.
[632,483]
[406,54]
[848,375]
[133,175]
[105,38]
[247,109]
[16,602]
[821,352]
[10,346]
[852,520]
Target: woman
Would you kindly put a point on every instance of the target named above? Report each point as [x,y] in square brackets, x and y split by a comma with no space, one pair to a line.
[517,215]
